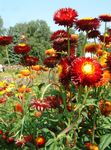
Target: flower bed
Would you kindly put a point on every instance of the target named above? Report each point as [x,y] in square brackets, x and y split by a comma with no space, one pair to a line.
[64,104]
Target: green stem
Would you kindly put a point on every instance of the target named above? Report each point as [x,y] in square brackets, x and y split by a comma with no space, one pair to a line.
[68,41]
[93,130]
[7,55]
[45,90]
[85,41]
[104,36]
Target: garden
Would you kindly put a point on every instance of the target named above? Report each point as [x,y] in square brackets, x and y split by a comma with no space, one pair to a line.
[58,99]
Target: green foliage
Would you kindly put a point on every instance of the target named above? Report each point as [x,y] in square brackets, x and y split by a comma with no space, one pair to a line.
[38,37]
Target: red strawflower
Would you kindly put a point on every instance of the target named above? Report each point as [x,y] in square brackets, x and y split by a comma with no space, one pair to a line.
[85,71]
[106,39]
[105,17]
[5,40]
[109,32]
[60,40]
[46,103]
[59,34]
[109,62]
[22,48]
[87,24]
[93,34]
[30,60]
[65,16]
[91,47]
[64,70]
[51,61]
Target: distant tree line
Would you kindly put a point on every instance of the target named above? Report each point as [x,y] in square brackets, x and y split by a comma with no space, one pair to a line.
[37,34]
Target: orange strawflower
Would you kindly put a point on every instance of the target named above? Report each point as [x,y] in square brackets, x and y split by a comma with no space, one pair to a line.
[50,52]
[106,76]
[18,108]
[25,72]
[24,89]
[36,67]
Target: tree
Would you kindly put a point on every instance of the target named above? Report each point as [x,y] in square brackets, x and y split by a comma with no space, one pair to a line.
[37,34]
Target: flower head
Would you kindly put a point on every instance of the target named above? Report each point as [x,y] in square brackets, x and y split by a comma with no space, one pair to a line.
[30,60]
[21,48]
[105,79]
[87,24]
[105,17]
[91,47]
[5,40]
[60,40]
[108,61]
[93,34]
[106,39]
[65,16]
[105,107]
[64,67]
[85,71]
[50,52]
[51,61]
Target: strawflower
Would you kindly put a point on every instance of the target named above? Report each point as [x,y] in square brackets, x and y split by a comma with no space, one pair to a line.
[85,71]
[5,40]
[91,47]
[65,17]
[105,17]
[87,24]
[22,48]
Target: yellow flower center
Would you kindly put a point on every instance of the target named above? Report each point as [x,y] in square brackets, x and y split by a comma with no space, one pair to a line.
[59,69]
[22,44]
[88,68]
[88,18]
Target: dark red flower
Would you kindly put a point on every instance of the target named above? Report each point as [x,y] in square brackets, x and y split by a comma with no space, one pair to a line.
[46,103]
[106,39]
[5,40]
[105,17]
[91,47]
[28,138]
[64,70]
[59,34]
[51,61]
[60,40]
[30,60]
[93,34]
[85,71]
[109,32]
[65,16]
[87,24]
[22,48]
[109,62]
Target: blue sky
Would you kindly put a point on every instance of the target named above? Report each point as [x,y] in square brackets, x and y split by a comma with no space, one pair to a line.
[20,11]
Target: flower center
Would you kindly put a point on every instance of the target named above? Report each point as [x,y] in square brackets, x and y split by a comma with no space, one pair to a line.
[88,68]
[22,44]
[59,69]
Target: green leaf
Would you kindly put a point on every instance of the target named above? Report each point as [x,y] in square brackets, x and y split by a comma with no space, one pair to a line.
[49,142]
[105,141]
